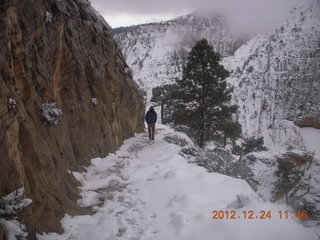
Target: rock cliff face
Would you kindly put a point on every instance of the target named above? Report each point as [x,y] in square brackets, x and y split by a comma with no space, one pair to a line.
[66,96]
[1,234]
[276,79]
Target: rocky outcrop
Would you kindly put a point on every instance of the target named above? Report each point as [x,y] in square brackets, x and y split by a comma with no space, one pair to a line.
[66,96]
[290,177]
[308,122]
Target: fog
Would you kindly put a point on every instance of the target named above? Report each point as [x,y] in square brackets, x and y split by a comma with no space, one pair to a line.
[249,15]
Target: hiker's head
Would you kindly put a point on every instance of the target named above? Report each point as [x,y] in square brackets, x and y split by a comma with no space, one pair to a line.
[151,109]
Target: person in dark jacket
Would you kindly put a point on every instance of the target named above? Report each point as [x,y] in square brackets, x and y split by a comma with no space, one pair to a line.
[151,118]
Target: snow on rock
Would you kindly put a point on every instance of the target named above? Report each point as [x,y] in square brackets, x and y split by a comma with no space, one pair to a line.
[12,104]
[94,101]
[13,229]
[291,177]
[147,190]
[311,138]
[48,17]
[262,166]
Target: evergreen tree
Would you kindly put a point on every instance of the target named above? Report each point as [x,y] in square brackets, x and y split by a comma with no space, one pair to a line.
[250,144]
[202,94]
[253,144]
[232,130]
[163,95]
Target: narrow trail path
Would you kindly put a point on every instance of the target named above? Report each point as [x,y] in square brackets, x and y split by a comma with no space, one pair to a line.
[147,191]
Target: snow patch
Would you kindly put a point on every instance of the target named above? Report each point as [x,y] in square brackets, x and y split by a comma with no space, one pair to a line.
[48,17]
[146,190]
[311,138]
[12,104]
[13,229]
[94,101]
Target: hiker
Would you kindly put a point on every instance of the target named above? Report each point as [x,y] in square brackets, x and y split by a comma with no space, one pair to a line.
[151,118]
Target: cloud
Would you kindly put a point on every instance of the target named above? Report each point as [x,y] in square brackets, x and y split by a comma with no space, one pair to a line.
[117,19]
[250,13]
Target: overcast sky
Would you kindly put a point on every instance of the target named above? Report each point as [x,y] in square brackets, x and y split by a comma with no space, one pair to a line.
[244,13]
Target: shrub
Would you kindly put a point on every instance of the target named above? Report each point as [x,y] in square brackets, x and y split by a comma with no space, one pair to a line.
[51,114]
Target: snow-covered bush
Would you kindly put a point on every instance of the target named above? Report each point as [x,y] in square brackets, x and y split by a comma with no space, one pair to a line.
[175,140]
[10,205]
[51,113]
[188,152]
[253,144]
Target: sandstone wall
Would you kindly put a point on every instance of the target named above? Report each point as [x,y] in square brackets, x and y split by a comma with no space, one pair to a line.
[308,122]
[61,52]
[1,234]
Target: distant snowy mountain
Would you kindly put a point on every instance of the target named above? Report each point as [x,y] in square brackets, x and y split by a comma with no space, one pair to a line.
[276,79]
[276,76]
[156,51]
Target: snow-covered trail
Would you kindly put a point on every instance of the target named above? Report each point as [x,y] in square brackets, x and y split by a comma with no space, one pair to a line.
[146,190]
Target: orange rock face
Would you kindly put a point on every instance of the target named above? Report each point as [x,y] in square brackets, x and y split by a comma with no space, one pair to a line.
[308,122]
[59,52]
[1,234]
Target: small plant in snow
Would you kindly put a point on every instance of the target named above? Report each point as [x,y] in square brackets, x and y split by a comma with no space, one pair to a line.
[51,113]
[128,71]
[242,201]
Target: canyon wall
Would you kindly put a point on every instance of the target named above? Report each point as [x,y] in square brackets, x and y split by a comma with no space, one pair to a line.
[66,96]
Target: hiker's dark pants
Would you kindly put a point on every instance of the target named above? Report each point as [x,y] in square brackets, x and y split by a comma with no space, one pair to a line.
[151,129]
